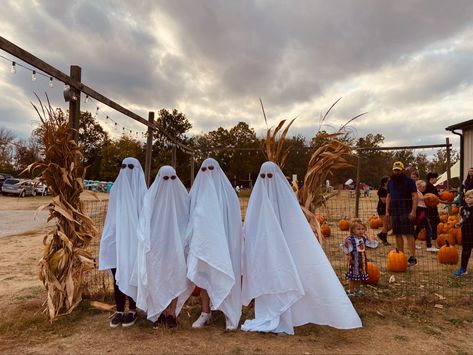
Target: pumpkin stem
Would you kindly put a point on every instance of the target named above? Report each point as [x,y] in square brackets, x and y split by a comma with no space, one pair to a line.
[447,243]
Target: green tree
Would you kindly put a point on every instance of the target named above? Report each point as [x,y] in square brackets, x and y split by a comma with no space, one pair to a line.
[27,152]
[439,160]
[114,151]
[6,150]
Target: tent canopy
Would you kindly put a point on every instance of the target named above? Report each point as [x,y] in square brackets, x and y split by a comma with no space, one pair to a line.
[454,172]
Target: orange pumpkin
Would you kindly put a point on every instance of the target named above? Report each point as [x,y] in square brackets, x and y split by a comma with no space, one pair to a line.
[441,228]
[320,218]
[373,273]
[373,222]
[325,229]
[443,217]
[422,234]
[448,254]
[397,261]
[431,200]
[446,196]
[453,235]
[458,240]
[380,222]
[344,225]
[455,210]
[442,238]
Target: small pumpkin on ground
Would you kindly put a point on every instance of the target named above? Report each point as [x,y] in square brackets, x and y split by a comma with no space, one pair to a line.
[448,254]
[325,229]
[373,273]
[397,261]
[344,225]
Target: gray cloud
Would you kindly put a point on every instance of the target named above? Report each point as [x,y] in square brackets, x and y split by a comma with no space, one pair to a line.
[213,59]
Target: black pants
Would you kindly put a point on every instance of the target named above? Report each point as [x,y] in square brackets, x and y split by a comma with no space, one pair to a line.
[120,297]
[466,252]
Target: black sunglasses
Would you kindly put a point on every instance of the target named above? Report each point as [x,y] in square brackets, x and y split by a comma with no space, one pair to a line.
[173,177]
[269,175]
[211,167]
[131,166]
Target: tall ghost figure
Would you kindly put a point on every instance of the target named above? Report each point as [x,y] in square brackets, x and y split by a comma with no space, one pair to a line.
[286,271]
[214,239]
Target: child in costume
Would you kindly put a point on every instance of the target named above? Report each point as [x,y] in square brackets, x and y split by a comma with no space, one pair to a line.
[466,224]
[355,247]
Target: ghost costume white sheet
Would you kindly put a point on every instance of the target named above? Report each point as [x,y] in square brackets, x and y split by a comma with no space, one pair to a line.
[285,268]
[161,265]
[214,237]
[118,243]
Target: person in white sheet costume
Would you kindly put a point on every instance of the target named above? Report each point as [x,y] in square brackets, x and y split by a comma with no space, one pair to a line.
[286,271]
[161,265]
[214,237]
[118,243]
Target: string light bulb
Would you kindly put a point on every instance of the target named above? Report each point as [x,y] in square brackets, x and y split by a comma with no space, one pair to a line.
[33,76]
[50,84]
[13,68]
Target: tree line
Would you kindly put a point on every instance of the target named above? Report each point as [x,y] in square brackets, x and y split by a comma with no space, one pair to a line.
[238,150]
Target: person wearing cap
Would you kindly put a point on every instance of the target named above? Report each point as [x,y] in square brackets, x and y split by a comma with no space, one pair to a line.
[401,204]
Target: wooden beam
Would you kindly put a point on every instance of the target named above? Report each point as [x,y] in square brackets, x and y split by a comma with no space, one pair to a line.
[29,58]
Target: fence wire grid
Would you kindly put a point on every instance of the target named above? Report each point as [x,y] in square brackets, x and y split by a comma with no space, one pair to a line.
[429,278]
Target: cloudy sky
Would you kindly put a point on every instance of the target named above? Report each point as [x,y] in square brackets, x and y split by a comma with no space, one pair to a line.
[407,63]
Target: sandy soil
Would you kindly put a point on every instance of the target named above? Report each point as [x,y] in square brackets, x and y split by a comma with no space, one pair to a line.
[391,325]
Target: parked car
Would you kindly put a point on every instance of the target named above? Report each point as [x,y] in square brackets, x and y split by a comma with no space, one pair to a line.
[20,187]
[3,177]
[41,189]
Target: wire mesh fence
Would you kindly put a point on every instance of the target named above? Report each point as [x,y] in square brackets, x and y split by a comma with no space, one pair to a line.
[426,279]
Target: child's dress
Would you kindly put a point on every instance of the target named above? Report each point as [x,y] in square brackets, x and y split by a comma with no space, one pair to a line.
[357,263]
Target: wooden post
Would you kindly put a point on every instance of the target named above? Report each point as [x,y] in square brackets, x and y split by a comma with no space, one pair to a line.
[357,186]
[448,164]
[192,168]
[174,157]
[149,149]
[74,103]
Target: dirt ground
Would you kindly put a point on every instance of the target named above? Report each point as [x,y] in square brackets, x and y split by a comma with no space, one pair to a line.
[391,325]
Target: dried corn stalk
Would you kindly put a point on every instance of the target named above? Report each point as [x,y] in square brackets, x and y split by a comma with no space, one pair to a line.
[273,146]
[65,259]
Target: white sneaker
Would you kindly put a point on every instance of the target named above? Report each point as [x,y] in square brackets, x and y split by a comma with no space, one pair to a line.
[228,325]
[433,249]
[203,320]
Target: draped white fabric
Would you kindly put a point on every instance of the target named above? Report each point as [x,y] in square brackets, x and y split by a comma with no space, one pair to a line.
[161,265]
[118,243]
[285,269]
[214,239]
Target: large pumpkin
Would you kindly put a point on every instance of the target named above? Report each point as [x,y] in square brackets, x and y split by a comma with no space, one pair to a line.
[373,273]
[431,200]
[443,217]
[448,254]
[444,237]
[344,225]
[325,229]
[446,196]
[397,261]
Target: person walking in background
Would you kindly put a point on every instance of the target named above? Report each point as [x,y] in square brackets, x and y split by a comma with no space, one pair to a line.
[381,209]
[421,217]
[355,247]
[466,224]
[415,175]
[118,244]
[468,184]
[401,204]
[432,212]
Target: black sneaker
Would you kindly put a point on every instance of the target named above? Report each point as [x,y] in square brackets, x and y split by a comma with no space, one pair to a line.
[129,319]
[171,321]
[116,320]
[161,322]
[412,261]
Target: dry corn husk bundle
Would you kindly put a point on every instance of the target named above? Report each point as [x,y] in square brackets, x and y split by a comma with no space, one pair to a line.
[273,147]
[65,259]
[327,158]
